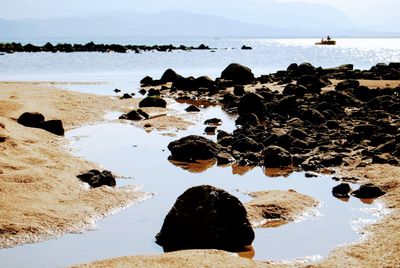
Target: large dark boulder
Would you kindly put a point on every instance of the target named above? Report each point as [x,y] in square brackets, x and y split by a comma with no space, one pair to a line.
[96,178]
[368,190]
[53,126]
[275,156]
[246,144]
[153,102]
[30,119]
[311,82]
[252,103]
[170,76]
[192,148]
[135,115]
[341,191]
[347,84]
[205,217]
[238,73]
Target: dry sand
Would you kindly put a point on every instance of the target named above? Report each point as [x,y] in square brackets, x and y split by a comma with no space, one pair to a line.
[41,197]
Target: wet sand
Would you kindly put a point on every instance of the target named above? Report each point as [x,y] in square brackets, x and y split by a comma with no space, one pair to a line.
[42,198]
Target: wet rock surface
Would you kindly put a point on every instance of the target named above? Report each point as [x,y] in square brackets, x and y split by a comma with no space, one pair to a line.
[95,178]
[316,127]
[205,217]
[192,148]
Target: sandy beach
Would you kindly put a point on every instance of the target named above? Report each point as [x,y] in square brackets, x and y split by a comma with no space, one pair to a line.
[42,198]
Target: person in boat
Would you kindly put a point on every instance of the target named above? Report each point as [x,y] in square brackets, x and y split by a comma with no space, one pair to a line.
[328,38]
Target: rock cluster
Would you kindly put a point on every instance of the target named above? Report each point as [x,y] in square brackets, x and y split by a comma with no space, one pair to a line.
[95,178]
[37,120]
[92,47]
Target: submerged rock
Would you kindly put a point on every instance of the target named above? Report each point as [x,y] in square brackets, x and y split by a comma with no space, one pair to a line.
[192,148]
[205,217]
[96,178]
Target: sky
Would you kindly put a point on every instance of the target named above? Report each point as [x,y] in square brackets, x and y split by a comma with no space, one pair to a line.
[370,14]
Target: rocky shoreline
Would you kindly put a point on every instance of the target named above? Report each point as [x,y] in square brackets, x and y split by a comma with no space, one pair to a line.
[92,47]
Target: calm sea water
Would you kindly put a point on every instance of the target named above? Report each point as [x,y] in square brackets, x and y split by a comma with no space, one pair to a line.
[268,55]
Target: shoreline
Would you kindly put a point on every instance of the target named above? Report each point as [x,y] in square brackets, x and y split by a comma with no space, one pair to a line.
[342,255]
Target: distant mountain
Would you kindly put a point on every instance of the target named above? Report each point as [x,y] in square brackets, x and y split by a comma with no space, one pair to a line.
[163,24]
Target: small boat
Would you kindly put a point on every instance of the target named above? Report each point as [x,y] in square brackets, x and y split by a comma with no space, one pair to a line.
[328,42]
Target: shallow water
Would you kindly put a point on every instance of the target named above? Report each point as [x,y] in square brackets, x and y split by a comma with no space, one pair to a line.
[130,151]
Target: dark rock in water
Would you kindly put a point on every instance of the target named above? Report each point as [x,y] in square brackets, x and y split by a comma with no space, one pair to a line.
[252,103]
[213,122]
[368,190]
[170,76]
[153,92]
[192,148]
[239,90]
[342,190]
[210,130]
[117,90]
[53,126]
[142,91]
[205,217]
[192,108]
[30,119]
[134,115]
[347,84]
[126,96]
[238,74]
[147,81]
[244,47]
[224,159]
[153,102]
[96,178]
[275,156]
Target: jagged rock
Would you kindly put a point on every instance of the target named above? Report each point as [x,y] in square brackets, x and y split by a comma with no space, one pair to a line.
[238,74]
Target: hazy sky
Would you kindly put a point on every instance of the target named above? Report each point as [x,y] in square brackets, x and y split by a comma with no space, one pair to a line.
[373,14]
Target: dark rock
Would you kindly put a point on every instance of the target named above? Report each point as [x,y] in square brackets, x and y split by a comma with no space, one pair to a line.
[53,126]
[252,103]
[238,73]
[347,84]
[210,130]
[246,144]
[331,160]
[332,124]
[368,190]
[203,82]
[192,148]
[312,83]
[170,76]
[224,159]
[133,115]
[153,102]
[222,134]
[313,116]
[30,119]
[213,122]
[275,156]
[147,81]
[153,92]
[305,69]
[341,191]
[192,108]
[292,67]
[142,91]
[117,90]
[205,217]
[96,178]
[247,119]
[244,47]
[239,90]
[126,96]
